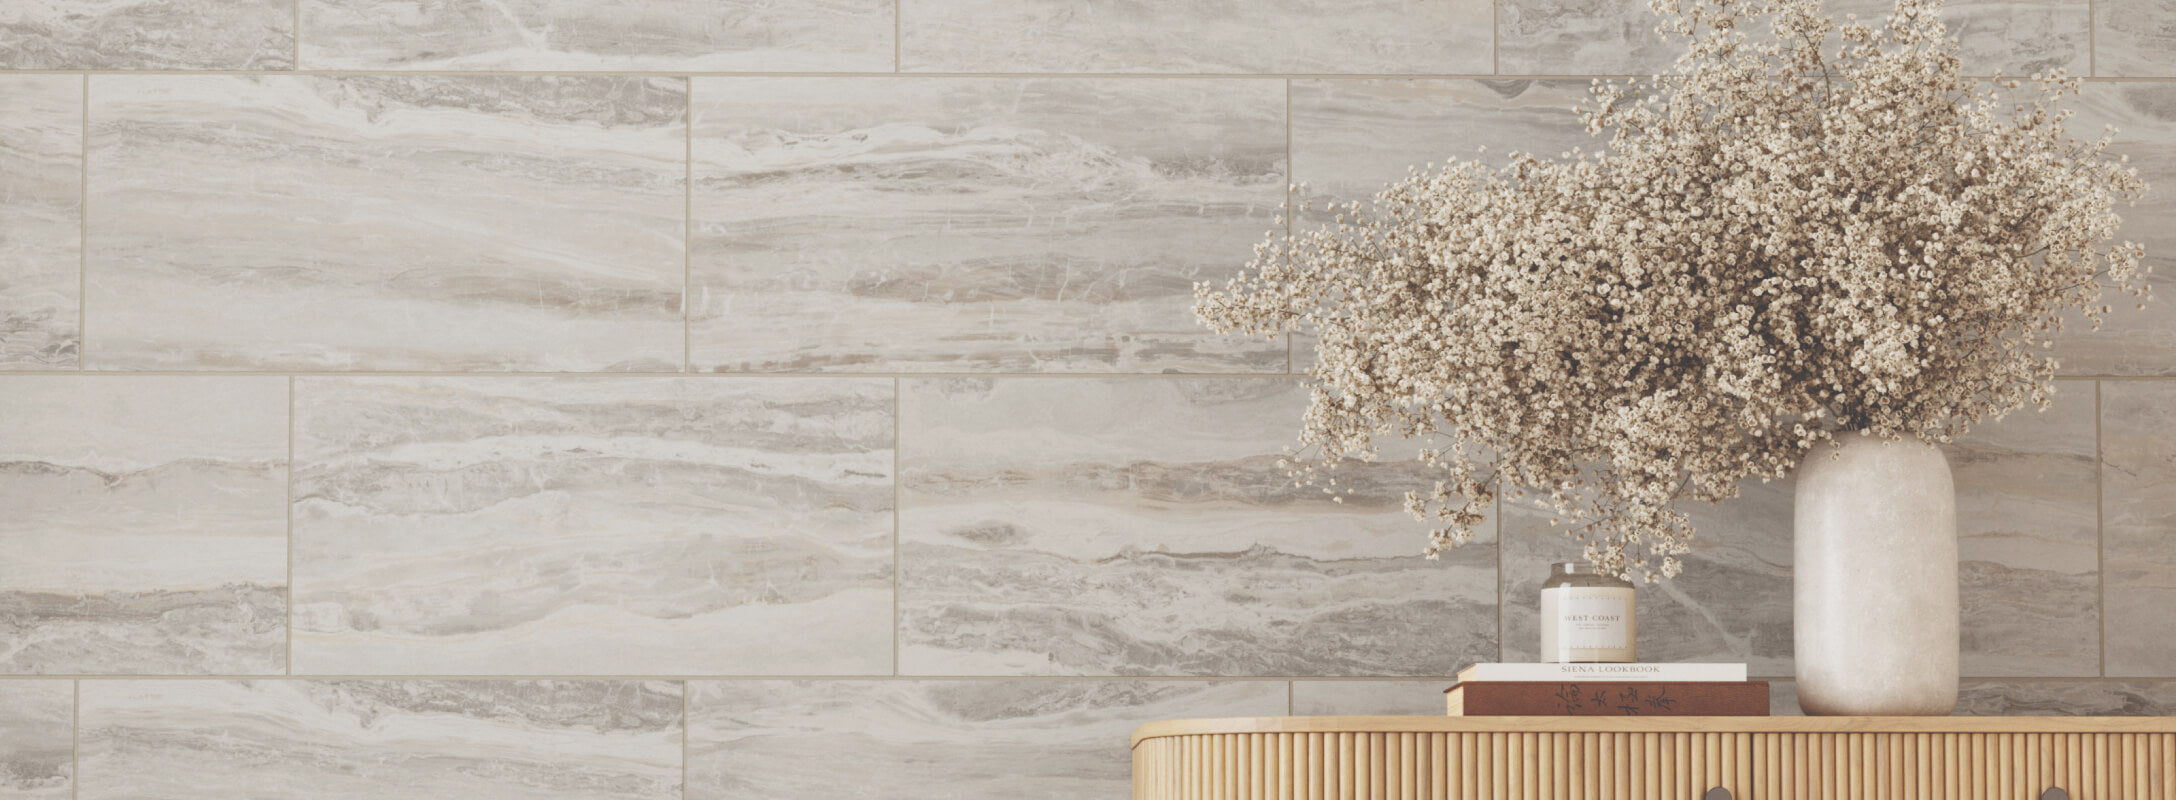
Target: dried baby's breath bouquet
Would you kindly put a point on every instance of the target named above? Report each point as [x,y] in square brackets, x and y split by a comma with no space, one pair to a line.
[1825,229]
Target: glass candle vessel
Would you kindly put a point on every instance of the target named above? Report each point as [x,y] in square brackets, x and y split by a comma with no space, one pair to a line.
[1587,617]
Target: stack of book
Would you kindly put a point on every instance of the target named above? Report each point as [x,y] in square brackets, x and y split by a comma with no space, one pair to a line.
[1611,690]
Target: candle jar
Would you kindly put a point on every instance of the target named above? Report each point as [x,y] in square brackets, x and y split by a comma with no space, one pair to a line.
[1587,617]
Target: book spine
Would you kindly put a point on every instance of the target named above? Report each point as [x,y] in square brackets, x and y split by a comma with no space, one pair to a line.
[1583,672]
[1621,699]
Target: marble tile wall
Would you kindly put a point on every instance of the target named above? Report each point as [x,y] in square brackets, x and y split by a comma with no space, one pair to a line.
[655,399]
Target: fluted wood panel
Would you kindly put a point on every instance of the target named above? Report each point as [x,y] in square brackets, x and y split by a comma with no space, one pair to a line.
[1544,765]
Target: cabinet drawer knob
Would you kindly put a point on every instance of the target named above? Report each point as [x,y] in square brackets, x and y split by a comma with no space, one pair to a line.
[1717,793]
[2055,793]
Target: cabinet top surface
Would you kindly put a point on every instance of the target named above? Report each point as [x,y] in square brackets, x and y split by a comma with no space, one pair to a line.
[1448,724]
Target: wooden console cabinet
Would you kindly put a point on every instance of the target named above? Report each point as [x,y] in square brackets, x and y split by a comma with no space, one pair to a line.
[1655,758]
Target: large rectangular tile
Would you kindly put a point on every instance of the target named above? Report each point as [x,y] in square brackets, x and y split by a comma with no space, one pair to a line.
[2134,38]
[593,526]
[386,223]
[2023,698]
[1416,698]
[961,740]
[945,224]
[41,182]
[1607,37]
[2134,341]
[1196,36]
[1071,526]
[654,35]
[146,525]
[2029,534]
[1352,137]
[147,34]
[2138,519]
[37,740]
[481,739]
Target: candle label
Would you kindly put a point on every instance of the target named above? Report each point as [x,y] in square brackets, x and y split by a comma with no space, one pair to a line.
[1590,622]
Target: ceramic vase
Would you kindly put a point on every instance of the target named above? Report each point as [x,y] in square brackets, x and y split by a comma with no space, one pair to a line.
[1875,579]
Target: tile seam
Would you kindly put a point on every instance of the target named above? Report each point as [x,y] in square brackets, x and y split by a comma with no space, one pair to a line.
[83,230]
[278,373]
[898,610]
[687,687]
[290,637]
[1237,76]
[687,231]
[2100,527]
[75,740]
[43,678]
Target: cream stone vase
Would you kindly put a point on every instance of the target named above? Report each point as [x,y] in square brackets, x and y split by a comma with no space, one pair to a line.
[1875,596]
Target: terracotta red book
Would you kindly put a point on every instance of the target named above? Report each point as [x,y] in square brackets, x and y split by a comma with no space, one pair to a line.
[1608,699]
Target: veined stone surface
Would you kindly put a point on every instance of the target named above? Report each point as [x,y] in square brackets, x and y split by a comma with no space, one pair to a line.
[647,35]
[41,190]
[37,740]
[977,225]
[1420,698]
[147,34]
[146,528]
[1194,36]
[965,740]
[2029,540]
[593,526]
[484,739]
[2026,698]
[1605,37]
[468,223]
[1074,526]
[2134,342]
[2135,38]
[2138,518]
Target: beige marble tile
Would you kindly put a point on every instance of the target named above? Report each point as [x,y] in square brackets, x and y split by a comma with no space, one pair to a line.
[147,34]
[2138,517]
[1352,137]
[41,181]
[1073,526]
[466,223]
[647,35]
[2029,541]
[962,740]
[37,740]
[2133,341]
[593,526]
[1603,37]
[2134,38]
[1196,36]
[1409,698]
[482,739]
[146,525]
[967,225]
[2025,698]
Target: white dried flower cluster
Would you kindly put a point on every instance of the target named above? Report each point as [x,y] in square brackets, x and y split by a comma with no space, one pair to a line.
[1825,229]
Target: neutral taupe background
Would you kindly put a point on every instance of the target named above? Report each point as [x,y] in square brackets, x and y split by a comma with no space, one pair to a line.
[655,399]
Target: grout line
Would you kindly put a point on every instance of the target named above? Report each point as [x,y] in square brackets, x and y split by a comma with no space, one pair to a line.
[1495,36]
[290,525]
[75,742]
[30,678]
[297,65]
[685,688]
[83,231]
[303,373]
[687,233]
[1291,705]
[2100,530]
[899,27]
[1150,76]
[2092,47]
[1502,537]
[898,614]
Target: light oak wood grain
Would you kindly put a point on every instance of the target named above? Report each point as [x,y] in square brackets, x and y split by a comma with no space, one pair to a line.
[1553,758]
